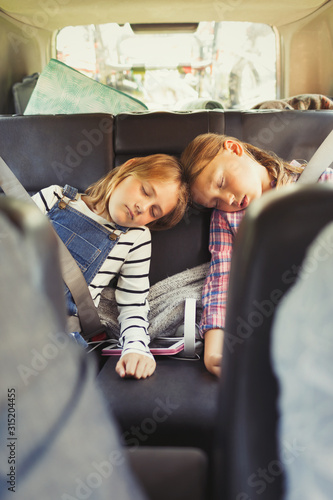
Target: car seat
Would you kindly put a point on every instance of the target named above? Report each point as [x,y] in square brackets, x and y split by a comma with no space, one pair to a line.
[68,445]
[268,252]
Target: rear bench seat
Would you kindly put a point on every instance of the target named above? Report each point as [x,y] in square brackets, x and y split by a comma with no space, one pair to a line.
[62,149]
[177,405]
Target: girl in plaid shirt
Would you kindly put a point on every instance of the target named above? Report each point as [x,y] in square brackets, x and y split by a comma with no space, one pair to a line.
[227,175]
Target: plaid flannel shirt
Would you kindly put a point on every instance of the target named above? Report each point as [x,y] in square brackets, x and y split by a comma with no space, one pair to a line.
[223,227]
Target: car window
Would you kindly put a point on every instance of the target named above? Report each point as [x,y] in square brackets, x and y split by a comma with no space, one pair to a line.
[233,63]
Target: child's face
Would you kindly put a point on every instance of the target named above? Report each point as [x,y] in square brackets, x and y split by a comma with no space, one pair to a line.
[136,202]
[230,182]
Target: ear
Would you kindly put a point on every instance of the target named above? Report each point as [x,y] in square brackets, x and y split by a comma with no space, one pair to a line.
[233,146]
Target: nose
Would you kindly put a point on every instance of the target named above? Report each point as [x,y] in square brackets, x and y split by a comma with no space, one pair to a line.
[142,207]
[228,198]
[138,208]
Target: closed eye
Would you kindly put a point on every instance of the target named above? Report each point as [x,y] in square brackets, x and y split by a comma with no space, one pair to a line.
[220,182]
[156,212]
[143,189]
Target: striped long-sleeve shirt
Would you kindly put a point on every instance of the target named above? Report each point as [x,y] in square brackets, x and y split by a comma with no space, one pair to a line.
[223,228]
[130,261]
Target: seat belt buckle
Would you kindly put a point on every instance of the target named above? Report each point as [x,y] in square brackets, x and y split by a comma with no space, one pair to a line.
[99,337]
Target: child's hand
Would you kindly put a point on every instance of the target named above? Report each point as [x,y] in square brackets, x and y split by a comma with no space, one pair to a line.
[213,350]
[136,365]
[213,363]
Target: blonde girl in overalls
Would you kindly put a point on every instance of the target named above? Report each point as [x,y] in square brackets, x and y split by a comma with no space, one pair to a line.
[107,231]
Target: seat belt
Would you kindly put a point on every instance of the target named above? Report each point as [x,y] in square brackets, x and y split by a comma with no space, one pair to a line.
[189,328]
[88,318]
[321,160]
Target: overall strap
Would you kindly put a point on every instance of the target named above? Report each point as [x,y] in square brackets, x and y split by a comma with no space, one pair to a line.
[72,275]
[70,192]
[319,162]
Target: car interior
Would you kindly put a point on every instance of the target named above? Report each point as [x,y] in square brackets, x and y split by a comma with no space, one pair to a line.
[84,87]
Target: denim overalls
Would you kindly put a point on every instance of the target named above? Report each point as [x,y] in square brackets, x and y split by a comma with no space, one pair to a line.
[88,241]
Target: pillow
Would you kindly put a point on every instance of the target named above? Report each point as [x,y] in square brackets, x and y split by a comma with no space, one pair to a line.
[63,90]
[200,103]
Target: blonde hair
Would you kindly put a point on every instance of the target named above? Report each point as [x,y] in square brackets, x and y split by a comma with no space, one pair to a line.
[158,167]
[203,149]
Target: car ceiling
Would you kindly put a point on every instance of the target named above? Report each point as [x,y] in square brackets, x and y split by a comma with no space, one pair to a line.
[54,14]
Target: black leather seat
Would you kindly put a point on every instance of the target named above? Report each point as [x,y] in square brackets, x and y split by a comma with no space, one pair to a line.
[268,253]
[43,150]
[79,149]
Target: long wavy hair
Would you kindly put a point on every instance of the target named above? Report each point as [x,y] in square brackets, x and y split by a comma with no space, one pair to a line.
[158,167]
[203,149]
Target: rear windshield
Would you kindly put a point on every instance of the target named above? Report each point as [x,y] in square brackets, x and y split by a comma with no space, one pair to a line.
[232,63]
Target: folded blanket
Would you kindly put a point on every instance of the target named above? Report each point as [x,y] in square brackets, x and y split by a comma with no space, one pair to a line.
[166,301]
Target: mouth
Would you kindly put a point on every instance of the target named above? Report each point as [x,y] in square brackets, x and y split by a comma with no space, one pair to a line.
[244,203]
[130,213]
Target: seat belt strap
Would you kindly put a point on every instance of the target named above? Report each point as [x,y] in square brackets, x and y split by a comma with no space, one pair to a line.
[319,162]
[71,273]
[189,328]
